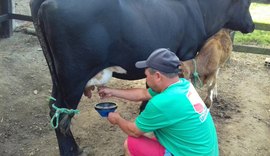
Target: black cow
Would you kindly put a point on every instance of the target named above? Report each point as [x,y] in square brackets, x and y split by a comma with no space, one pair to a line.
[79,38]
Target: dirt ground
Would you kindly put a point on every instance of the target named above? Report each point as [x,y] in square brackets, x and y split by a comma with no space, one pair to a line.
[241,113]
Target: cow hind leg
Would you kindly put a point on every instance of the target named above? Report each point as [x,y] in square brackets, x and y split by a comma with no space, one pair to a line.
[67,143]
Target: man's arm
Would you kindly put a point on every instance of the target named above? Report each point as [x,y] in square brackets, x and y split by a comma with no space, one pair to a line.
[133,94]
[126,126]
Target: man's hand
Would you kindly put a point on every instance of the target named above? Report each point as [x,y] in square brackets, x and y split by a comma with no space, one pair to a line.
[126,126]
[113,117]
[104,92]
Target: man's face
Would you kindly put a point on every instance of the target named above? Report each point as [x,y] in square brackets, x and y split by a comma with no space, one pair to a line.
[151,80]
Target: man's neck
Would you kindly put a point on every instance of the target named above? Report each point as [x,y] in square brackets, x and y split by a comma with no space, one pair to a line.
[168,82]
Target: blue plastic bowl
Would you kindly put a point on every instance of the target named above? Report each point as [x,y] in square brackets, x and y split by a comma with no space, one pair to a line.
[105,108]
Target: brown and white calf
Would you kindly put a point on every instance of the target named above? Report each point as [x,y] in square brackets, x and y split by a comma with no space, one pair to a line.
[209,59]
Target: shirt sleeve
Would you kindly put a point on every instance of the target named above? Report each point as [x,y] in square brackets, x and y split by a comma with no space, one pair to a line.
[151,92]
[151,119]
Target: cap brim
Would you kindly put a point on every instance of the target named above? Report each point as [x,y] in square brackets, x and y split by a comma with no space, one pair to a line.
[141,64]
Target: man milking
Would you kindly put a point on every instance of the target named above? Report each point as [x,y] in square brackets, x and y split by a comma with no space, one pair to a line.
[175,113]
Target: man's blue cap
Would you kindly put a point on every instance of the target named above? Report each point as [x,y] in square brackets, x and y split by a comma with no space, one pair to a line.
[162,60]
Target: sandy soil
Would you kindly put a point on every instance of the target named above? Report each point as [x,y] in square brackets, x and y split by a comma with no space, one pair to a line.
[241,113]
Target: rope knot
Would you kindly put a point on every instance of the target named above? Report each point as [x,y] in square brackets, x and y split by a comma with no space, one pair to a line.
[59,111]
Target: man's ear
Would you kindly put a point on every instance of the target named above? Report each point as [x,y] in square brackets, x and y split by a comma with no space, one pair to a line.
[158,75]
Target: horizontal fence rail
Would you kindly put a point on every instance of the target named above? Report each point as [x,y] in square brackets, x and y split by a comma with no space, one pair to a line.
[251,49]
[262,26]
[21,17]
[6,17]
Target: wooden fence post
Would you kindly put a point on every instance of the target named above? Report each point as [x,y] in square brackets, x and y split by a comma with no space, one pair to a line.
[6,26]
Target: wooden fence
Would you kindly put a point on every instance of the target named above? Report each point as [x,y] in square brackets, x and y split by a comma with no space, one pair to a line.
[6,17]
[254,49]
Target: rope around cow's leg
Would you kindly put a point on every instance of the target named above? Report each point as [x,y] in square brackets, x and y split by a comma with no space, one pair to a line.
[58,112]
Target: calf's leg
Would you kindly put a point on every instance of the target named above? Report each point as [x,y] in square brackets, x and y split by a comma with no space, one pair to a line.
[211,90]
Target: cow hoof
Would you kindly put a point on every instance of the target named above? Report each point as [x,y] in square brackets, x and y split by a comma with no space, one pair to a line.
[215,99]
[208,103]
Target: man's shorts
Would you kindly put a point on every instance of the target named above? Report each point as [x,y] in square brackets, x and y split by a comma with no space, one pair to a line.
[144,146]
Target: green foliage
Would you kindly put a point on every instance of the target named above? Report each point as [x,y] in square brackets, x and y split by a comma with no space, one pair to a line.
[258,38]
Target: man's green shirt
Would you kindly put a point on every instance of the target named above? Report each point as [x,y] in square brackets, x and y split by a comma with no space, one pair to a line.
[180,121]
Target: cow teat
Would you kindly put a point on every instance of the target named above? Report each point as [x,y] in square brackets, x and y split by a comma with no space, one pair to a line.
[102,78]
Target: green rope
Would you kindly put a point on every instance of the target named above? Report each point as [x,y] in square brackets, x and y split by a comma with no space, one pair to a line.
[196,75]
[59,111]
[52,98]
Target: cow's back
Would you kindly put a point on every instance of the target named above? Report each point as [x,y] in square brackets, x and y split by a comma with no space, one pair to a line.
[97,32]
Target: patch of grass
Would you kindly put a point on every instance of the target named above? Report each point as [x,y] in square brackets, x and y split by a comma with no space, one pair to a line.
[258,38]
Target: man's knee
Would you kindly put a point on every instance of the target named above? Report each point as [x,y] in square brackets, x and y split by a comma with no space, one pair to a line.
[126,144]
[127,153]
